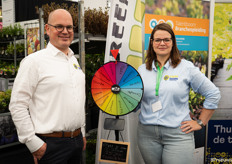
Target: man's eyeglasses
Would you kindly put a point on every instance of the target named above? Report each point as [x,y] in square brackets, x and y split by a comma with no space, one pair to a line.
[60,28]
[165,40]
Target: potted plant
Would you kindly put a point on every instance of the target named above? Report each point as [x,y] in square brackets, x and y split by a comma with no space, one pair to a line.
[9,72]
[11,31]
[4,101]
[20,50]
[18,31]
[10,51]
[5,32]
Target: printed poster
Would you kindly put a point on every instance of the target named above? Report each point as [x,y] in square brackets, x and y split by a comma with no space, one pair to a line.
[219,135]
[33,41]
[191,33]
[219,142]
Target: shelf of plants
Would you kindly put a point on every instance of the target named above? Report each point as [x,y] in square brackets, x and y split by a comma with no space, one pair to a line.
[11,53]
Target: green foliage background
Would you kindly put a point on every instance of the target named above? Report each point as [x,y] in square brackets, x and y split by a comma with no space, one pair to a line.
[222,31]
[183,8]
[5,100]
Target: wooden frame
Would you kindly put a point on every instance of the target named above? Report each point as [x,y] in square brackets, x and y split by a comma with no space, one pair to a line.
[119,150]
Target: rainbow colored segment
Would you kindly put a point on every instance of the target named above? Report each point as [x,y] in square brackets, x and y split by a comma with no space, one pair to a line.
[129,81]
[110,70]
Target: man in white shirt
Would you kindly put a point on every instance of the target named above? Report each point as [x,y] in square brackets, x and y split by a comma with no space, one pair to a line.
[48,97]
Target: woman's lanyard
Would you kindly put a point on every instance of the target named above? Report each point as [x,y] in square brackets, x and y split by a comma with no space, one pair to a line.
[158,79]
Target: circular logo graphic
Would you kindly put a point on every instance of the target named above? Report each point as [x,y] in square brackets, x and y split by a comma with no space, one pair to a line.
[161,21]
[166,77]
[170,23]
[153,23]
[75,66]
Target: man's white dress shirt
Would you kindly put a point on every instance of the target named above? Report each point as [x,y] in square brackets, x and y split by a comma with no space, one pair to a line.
[48,95]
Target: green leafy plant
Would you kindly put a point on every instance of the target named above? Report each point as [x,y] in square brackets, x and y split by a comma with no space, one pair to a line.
[5,100]
[3,104]
[11,31]
[10,49]
[172,6]
[20,49]
[7,96]
[195,10]
[149,2]
[222,32]
[228,68]
[8,70]
[18,30]
[6,31]
[195,104]
[183,8]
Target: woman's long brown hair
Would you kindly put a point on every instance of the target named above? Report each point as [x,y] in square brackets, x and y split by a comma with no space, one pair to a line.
[151,55]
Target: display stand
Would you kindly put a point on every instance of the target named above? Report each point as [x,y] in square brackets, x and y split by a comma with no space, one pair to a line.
[6,81]
[117,89]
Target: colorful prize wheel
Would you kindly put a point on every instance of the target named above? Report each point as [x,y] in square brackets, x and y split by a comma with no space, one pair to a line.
[117,88]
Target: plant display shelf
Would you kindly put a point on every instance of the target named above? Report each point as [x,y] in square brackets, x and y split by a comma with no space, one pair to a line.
[13,57]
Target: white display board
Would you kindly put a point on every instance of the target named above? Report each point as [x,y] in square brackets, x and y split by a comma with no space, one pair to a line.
[8,12]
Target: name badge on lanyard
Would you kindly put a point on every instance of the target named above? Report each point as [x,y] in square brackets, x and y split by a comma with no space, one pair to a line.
[156,106]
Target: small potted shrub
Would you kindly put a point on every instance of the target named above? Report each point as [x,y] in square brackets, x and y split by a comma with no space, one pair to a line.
[10,51]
